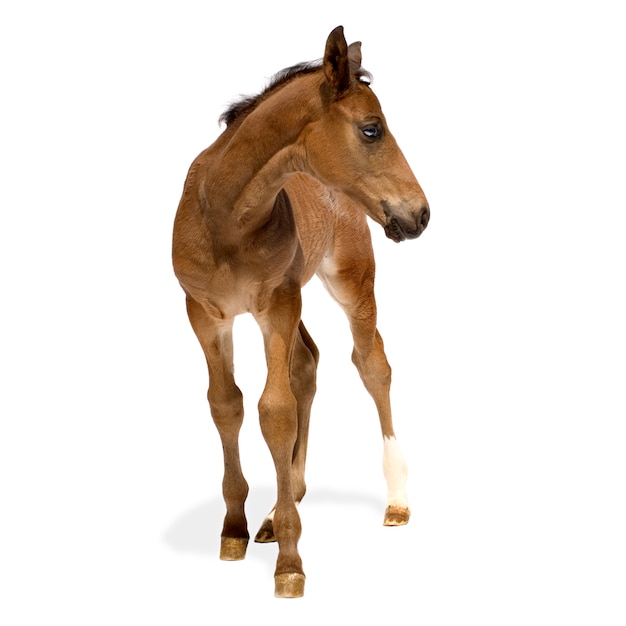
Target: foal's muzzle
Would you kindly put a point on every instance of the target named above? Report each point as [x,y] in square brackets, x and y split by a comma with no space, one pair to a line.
[398,228]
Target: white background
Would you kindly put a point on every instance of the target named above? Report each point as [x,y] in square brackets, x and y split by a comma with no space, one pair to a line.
[504,322]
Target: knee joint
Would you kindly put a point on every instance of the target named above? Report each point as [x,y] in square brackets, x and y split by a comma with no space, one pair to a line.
[226,407]
[277,415]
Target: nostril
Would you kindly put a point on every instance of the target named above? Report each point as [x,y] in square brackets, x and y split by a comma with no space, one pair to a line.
[425,217]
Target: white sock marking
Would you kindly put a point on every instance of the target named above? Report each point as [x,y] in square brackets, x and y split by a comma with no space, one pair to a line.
[396,472]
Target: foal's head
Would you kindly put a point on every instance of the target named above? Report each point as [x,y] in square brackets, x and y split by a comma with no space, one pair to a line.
[350,148]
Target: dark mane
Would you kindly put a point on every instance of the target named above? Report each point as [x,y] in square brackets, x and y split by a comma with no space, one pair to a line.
[247,104]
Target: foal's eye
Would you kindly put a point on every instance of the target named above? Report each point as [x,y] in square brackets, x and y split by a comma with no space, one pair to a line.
[371,132]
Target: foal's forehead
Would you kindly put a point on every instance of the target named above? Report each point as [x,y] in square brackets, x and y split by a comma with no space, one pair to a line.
[360,102]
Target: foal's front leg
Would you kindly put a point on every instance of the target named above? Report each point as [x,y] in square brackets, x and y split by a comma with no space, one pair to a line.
[226,402]
[348,274]
[278,418]
[304,361]
[371,362]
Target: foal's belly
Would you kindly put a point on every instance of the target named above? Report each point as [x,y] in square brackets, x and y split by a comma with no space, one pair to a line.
[226,291]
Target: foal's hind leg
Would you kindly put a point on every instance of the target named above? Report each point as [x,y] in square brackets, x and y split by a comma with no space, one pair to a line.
[303,375]
[226,402]
[348,274]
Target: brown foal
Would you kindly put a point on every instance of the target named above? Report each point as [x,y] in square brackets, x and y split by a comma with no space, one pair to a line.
[281,195]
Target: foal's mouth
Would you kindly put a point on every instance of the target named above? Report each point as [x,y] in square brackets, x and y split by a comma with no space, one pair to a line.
[398,229]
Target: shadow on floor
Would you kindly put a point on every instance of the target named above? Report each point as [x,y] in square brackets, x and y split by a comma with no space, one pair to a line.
[197,531]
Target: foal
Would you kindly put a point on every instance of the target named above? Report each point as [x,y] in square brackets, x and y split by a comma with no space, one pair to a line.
[281,195]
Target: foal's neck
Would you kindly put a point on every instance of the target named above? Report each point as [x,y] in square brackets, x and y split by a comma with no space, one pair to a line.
[263,151]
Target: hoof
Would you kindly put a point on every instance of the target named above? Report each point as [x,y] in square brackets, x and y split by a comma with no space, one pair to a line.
[396,516]
[233,549]
[266,532]
[289,585]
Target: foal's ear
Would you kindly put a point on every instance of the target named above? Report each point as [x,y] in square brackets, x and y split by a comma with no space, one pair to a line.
[337,61]
[354,55]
